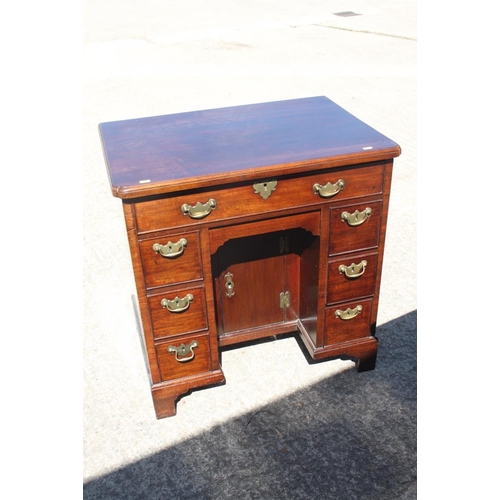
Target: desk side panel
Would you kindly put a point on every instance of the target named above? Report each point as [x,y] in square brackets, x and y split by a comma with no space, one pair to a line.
[147,327]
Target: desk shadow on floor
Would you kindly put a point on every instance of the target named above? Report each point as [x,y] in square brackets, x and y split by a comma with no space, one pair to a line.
[350,436]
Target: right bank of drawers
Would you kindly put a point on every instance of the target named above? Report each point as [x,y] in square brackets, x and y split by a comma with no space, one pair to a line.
[352,270]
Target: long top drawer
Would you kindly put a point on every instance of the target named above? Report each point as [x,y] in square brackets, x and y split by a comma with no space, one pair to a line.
[251,198]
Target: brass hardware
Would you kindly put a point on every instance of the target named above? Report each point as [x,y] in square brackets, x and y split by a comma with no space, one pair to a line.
[284,299]
[177,305]
[356,218]
[200,210]
[229,284]
[329,190]
[348,313]
[171,250]
[183,350]
[354,270]
[265,188]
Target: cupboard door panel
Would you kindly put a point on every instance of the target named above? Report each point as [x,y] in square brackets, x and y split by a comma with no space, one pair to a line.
[256,287]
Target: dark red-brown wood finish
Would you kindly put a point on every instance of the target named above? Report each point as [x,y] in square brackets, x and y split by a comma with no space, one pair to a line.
[162,154]
[248,222]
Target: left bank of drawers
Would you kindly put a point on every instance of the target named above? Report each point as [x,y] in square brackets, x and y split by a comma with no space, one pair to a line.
[175,290]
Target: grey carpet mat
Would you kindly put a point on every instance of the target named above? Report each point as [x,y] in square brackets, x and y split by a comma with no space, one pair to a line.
[352,436]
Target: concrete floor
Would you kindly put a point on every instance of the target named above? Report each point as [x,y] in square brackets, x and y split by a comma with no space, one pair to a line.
[153,57]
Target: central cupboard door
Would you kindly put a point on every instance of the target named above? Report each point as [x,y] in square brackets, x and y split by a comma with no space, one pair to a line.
[250,276]
[264,271]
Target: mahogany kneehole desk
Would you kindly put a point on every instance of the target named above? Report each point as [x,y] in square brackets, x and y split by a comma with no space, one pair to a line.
[247,222]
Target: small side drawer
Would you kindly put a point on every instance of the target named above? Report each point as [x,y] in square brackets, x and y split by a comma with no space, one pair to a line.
[239,200]
[178,311]
[171,259]
[346,322]
[355,227]
[183,356]
[351,276]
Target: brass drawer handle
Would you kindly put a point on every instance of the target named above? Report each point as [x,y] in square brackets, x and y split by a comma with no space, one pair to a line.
[171,250]
[200,210]
[329,190]
[356,218]
[348,313]
[183,350]
[177,305]
[354,270]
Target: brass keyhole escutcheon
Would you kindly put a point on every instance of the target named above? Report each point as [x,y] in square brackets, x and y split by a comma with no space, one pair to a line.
[265,188]
[229,284]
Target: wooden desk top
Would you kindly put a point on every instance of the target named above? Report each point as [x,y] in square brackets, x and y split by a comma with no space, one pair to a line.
[162,154]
